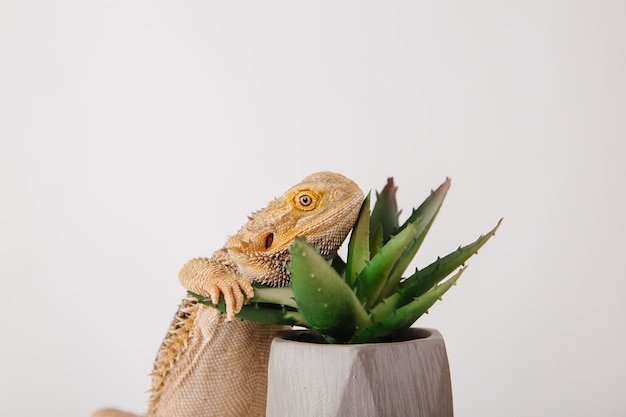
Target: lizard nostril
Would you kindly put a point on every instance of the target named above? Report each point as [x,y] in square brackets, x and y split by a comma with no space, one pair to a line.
[268,240]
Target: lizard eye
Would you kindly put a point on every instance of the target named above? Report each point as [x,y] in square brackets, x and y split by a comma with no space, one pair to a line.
[269,239]
[305,200]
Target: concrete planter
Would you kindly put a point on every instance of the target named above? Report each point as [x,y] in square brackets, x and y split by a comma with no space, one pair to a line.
[410,377]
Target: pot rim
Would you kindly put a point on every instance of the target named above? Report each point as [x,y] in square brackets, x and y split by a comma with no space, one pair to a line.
[308,336]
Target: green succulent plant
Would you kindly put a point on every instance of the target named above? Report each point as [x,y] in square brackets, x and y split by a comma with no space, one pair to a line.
[366,298]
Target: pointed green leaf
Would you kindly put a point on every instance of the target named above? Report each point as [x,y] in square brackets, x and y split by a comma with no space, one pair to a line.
[404,317]
[422,280]
[325,300]
[385,210]
[427,212]
[262,312]
[358,247]
[373,277]
[376,241]
[274,295]
[385,307]
[430,207]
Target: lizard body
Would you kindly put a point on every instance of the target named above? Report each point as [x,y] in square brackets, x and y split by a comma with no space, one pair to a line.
[211,365]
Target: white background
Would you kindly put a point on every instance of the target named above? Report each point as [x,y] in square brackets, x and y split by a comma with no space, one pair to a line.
[137,135]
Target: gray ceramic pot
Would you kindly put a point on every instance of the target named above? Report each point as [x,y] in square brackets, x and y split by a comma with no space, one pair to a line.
[409,377]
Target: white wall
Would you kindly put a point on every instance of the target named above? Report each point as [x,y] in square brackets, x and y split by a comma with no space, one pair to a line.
[136,135]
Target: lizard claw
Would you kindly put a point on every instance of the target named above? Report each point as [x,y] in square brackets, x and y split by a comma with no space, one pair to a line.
[210,277]
[235,291]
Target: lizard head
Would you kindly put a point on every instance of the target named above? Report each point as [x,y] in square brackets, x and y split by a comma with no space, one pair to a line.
[323,208]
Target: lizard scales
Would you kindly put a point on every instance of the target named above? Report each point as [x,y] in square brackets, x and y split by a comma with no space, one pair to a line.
[211,365]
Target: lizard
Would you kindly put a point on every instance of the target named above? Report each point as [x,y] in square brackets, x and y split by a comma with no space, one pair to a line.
[211,364]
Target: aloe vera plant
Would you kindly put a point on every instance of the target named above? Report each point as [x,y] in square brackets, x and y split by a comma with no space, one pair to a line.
[366,298]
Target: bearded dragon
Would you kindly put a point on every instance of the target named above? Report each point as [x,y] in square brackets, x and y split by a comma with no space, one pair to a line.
[212,365]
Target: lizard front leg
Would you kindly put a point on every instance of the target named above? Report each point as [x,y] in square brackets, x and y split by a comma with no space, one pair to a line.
[214,277]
